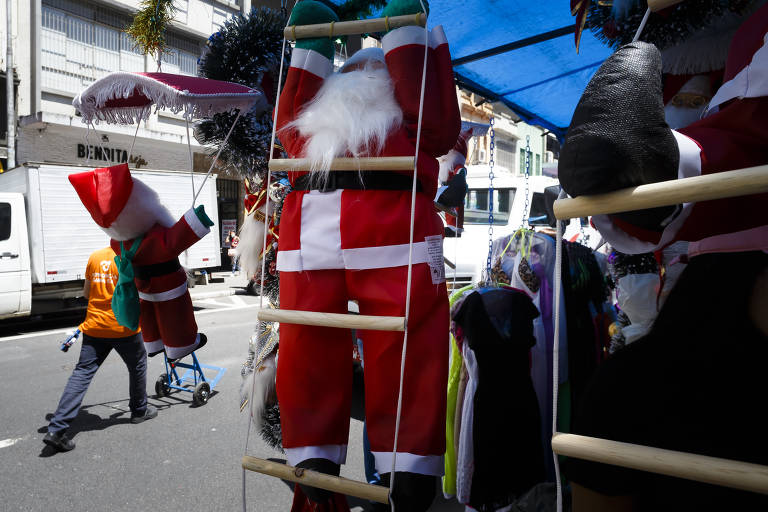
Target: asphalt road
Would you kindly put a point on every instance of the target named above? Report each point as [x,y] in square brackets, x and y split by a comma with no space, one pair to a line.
[186,458]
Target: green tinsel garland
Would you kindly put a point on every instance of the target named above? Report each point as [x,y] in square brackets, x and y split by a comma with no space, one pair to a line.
[149,24]
[665,29]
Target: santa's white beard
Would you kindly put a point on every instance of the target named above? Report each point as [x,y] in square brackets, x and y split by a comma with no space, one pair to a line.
[351,114]
[251,242]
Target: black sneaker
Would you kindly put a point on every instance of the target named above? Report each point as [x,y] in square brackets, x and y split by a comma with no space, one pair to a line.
[150,413]
[59,441]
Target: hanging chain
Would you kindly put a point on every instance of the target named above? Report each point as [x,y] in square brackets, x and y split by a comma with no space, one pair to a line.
[490,204]
[527,176]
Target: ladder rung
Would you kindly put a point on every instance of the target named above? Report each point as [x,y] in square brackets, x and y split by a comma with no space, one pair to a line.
[657,5]
[741,182]
[345,28]
[345,321]
[384,163]
[314,479]
[700,468]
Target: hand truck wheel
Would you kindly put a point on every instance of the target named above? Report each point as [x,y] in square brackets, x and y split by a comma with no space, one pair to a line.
[161,386]
[202,393]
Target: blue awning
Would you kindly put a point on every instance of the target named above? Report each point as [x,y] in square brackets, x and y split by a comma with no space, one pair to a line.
[541,82]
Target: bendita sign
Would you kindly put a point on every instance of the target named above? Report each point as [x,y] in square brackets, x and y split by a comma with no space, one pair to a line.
[108,154]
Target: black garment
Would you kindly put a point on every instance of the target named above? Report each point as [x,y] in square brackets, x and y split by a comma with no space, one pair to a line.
[508,458]
[695,383]
[583,286]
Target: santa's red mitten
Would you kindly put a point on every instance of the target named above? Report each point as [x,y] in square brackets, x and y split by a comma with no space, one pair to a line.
[618,137]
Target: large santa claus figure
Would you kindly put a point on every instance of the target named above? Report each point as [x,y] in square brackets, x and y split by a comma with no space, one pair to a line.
[345,236]
[691,383]
[128,210]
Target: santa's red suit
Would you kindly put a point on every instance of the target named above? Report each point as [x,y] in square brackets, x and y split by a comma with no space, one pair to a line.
[350,244]
[733,135]
[167,317]
[112,197]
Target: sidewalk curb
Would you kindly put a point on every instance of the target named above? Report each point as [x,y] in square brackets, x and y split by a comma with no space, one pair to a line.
[213,295]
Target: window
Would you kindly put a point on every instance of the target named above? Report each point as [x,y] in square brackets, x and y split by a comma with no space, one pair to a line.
[505,154]
[538,165]
[537,215]
[80,44]
[521,169]
[5,221]
[476,205]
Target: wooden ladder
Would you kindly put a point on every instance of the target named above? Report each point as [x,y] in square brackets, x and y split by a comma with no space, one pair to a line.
[347,321]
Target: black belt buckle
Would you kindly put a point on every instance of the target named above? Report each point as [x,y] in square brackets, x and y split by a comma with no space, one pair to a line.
[329,184]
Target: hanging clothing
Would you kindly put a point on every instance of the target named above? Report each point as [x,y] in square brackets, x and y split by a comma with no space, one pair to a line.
[586,299]
[540,261]
[505,457]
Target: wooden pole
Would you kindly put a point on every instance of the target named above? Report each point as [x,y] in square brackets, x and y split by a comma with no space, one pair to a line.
[293,32]
[344,321]
[389,163]
[657,5]
[741,182]
[344,486]
[700,468]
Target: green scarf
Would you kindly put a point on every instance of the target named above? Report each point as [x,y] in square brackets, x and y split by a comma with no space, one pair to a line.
[125,300]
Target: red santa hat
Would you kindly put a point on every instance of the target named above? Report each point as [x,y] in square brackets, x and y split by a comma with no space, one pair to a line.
[104,192]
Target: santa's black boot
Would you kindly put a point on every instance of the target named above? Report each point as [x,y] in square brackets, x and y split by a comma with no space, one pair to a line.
[618,137]
[413,492]
[321,466]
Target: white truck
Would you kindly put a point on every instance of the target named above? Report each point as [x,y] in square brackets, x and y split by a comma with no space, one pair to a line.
[466,256]
[46,234]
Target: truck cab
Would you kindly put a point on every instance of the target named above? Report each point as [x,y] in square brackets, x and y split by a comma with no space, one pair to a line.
[466,256]
[15,282]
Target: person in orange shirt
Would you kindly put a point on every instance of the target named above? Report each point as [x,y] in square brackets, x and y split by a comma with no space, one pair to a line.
[101,334]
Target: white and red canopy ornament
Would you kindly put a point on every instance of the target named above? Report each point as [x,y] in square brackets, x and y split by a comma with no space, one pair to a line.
[127,98]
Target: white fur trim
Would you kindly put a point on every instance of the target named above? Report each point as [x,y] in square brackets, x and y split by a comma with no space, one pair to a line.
[437,37]
[154,345]
[195,223]
[142,211]
[336,453]
[690,165]
[422,464]
[750,82]
[312,62]
[166,295]
[402,36]
[360,258]
[179,352]
[320,234]
[384,256]
[371,53]
[121,84]
[289,261]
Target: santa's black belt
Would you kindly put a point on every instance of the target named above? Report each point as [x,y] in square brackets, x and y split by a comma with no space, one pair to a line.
[158,269]
[356,180]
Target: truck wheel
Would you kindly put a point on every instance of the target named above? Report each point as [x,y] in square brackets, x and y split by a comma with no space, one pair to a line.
[161,386]
[201,394]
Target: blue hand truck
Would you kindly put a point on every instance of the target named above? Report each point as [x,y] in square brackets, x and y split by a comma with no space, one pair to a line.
[201,387]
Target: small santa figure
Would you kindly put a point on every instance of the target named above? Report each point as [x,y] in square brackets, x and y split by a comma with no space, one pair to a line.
[129,212]
[453,189]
